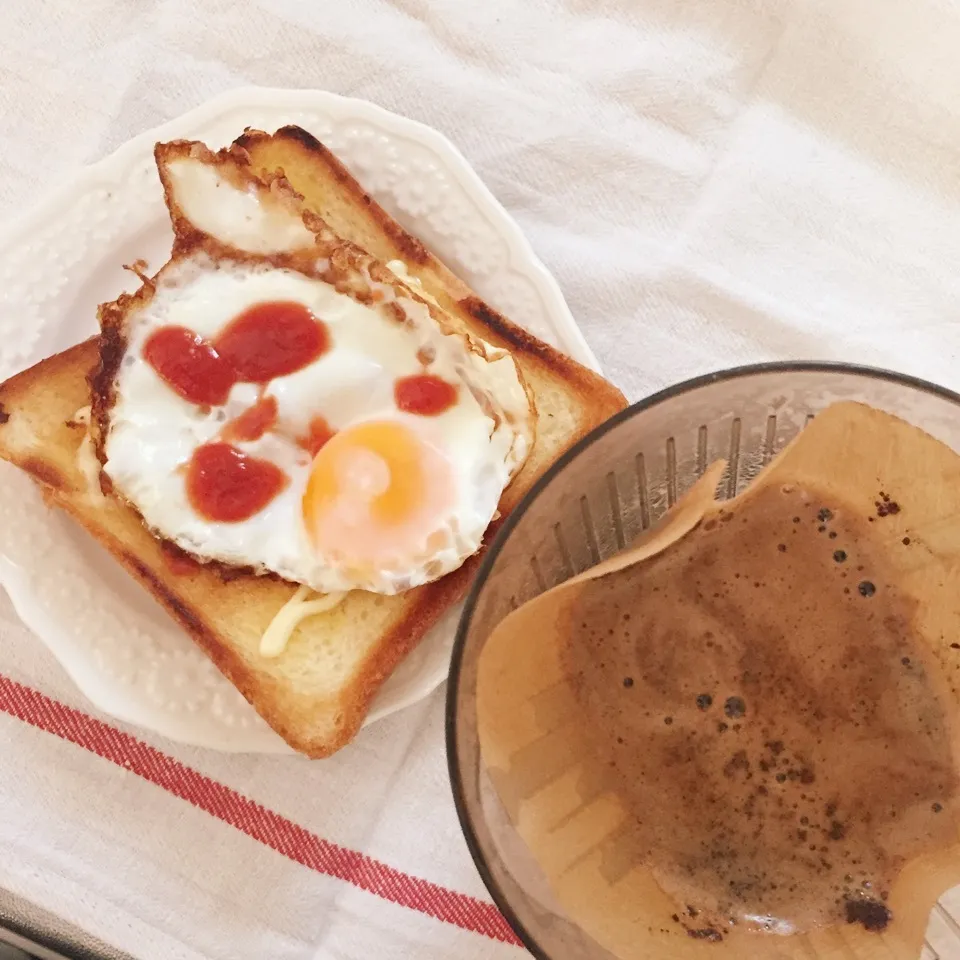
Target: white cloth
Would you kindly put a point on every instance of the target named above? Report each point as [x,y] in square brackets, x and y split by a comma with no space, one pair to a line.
[712,182]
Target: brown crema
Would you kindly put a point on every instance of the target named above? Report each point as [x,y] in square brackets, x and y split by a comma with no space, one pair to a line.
[759,697]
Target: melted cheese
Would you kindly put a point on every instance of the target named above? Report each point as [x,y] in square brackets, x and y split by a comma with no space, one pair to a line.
[291,614]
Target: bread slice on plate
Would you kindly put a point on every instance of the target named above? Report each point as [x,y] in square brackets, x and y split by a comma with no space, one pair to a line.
[317,693]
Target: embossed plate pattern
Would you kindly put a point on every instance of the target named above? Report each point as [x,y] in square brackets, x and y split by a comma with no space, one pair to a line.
[65,257]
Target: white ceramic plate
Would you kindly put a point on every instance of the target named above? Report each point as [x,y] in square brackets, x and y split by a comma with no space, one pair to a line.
[65,257]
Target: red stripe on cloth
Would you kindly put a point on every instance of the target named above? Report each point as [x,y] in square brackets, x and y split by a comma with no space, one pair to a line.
[256,821]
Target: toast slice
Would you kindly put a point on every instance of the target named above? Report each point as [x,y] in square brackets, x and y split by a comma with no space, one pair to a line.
[317,693]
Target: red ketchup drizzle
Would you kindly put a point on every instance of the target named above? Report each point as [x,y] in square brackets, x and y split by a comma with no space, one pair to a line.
[268,340]
[316,437]
[189,365]
[253,423]
[272,340]
[225,485]
[424,394]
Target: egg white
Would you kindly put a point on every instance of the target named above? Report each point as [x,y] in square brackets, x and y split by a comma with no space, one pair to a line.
[153,432]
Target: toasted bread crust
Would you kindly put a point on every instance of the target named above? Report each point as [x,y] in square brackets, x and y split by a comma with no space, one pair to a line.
[197,598]
[77,362]
[412,250]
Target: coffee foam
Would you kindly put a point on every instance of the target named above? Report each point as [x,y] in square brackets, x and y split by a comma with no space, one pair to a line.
[769,718]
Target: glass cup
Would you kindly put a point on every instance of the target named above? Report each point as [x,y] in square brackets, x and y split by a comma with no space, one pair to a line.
[596,499]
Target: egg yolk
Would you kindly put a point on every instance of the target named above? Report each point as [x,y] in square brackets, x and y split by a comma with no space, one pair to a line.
[376,492]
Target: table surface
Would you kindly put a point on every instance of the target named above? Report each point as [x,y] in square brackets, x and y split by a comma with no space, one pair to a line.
[712,182]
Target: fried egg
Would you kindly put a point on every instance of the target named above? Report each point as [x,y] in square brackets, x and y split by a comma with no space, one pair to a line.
[261,417]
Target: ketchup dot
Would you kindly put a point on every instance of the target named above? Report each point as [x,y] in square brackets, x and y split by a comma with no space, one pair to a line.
[316,437]
[189,365]
[271,340]
[424,394]
[253,423]
[225,485]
